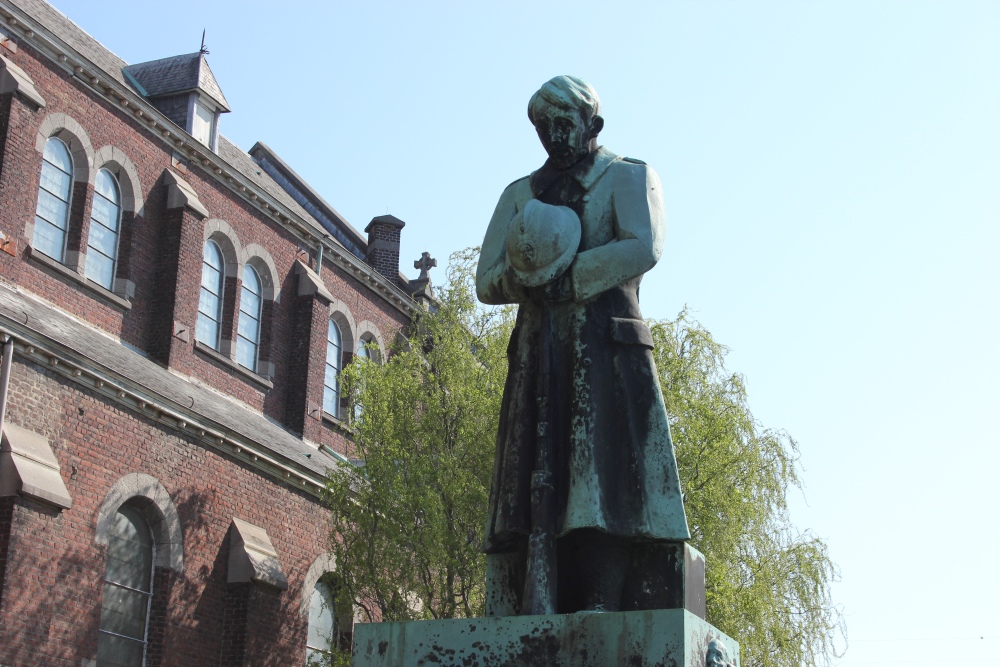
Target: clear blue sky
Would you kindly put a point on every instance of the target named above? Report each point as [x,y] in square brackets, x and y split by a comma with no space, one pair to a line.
[832,178]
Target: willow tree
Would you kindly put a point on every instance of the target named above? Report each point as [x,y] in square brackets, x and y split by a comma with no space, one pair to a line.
[768,584]
[407,524]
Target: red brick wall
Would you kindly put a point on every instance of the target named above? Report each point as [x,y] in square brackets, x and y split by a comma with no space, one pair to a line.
[51,597]
[164,257]
[51,568]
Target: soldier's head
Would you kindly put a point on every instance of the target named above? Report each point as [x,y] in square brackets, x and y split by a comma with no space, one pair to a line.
[717,655]
[566,115]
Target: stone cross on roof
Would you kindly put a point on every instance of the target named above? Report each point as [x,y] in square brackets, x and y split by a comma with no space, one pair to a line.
[425,264]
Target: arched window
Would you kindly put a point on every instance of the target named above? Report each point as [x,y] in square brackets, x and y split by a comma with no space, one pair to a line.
[331,622]
[210,303]
[248,335]
[54,192]
[105,219]
[367,351]
[331,381]
[364,352]
[128,589]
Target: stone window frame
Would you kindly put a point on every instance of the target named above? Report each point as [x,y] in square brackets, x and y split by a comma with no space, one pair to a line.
[64,195]
[250,343]
[146,494]
[211,252]
[126,174]
[258,257]
[222,233]
[66,128]
[341,315]
[368,332]
[323,567]
[114,228]
[151,498]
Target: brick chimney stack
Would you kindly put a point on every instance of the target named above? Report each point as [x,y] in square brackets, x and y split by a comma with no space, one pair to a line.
[383,246]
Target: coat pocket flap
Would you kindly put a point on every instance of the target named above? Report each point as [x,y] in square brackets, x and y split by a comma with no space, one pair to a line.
[634,332]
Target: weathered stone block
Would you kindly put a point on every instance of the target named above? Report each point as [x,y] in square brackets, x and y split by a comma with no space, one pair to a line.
[660,638]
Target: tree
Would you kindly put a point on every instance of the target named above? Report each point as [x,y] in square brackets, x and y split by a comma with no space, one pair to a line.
[407,525]
[768,585]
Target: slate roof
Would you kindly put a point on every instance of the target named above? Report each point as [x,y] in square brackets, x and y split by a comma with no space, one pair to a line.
[244,163]
[178,74]
[74,36]
[76,339]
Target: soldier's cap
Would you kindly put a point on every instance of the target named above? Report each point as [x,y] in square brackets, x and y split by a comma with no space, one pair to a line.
[541,242]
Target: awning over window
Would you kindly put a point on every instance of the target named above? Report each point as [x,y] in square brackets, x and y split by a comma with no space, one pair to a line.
[252,557]
[29,467]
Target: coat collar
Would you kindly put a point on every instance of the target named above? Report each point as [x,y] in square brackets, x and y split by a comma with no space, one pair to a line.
[585,172]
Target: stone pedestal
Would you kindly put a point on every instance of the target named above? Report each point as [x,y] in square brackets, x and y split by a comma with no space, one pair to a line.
[659,638]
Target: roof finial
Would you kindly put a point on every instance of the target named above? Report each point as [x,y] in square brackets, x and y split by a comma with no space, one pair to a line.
[203,51]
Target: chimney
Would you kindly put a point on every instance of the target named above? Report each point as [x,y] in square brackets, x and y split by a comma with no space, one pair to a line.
[383,246]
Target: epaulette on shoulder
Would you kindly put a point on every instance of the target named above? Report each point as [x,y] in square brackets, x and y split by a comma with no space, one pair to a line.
[633,160]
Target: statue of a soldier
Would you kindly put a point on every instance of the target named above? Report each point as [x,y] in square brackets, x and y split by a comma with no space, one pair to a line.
[583,450]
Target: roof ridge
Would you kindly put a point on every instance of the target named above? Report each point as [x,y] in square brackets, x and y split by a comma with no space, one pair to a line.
[158,60]
[75,25]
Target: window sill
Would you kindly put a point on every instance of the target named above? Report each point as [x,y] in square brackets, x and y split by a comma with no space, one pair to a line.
[66,273]
[337,423]
[232,366]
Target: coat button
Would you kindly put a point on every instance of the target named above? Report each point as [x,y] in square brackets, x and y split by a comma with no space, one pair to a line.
[586,197]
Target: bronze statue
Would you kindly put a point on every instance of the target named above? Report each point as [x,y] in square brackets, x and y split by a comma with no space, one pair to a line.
[585,486]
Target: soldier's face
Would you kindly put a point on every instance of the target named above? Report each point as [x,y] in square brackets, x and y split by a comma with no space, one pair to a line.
[715,656]
[565,134]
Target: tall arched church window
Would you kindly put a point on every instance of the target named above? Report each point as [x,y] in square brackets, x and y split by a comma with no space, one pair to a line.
[210,302]
[248,335]
[105,220]
[54,192]
[331,622]
[128,589]
[331,381]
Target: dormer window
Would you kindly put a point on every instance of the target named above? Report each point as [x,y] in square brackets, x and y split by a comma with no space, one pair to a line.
[204,122]
[184,89]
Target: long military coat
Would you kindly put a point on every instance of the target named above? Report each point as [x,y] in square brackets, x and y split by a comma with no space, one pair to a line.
[614,465]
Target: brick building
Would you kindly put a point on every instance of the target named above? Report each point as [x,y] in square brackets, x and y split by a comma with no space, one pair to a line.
[174,313]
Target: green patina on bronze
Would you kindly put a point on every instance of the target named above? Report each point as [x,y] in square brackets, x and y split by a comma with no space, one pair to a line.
[615,488]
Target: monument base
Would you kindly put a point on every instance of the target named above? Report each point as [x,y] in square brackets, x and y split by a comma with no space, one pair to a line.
[658,638]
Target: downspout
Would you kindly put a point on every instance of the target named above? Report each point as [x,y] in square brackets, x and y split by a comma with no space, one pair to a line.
[319,259]
[8,356]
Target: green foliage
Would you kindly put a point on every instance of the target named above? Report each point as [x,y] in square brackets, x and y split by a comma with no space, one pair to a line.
[335,658]
[768,585]
[407,526]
